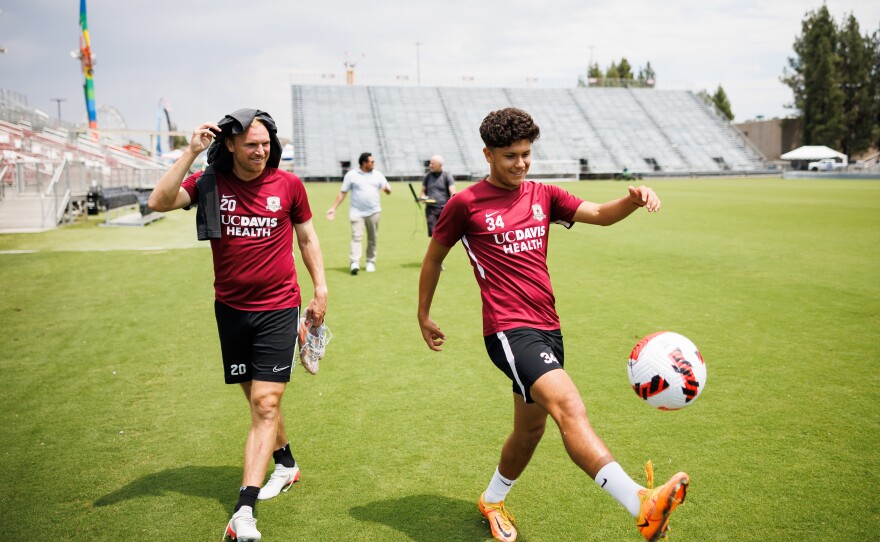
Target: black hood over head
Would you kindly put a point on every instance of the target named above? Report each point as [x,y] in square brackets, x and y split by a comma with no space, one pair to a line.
[238,123]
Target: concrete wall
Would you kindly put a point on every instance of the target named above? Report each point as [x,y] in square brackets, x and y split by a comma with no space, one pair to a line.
[774,137]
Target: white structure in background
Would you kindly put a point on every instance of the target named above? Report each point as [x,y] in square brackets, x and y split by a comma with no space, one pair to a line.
[809,156]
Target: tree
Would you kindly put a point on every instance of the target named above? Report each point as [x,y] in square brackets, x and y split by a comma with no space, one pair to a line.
[722,103]
[179,142]
[646,75]
[619,74]
[613,72]
[855,52]
[624,69]
[594,75]
[875,85]
[705,96]
[815,81]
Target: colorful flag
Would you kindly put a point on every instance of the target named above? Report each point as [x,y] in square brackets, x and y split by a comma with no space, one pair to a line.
[85,56]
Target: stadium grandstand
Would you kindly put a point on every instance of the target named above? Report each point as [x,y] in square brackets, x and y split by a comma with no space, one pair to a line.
[585,132]
[50,169]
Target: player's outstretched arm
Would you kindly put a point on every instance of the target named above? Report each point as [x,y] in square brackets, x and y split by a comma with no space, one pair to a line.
[428,280]
[310,249]
[611,212]
[168,195]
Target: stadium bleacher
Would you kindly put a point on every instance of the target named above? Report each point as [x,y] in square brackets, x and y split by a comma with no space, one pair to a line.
[584,131]
[47,171]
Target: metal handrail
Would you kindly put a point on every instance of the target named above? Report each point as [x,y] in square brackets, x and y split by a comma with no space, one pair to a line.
[55,177]
[2,182]
[723,118]
[59,204]
[61,209]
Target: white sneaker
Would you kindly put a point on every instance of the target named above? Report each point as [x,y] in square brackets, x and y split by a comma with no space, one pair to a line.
[243,527]
[354,268]
[312,344]
[281,480]
[371,267]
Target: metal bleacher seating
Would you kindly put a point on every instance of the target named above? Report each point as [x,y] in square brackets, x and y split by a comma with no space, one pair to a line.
[47,174]
[605,130]
[337,126]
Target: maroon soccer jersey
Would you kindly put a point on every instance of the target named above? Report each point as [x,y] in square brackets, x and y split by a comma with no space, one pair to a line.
[505,235]
[253,259]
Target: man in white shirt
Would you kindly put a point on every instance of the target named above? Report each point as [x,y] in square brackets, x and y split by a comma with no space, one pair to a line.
[364,183]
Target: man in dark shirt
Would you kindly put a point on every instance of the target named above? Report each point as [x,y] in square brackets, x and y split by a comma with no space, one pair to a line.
[437,187]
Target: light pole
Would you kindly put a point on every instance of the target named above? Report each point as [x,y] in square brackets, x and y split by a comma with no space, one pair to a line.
[59,100]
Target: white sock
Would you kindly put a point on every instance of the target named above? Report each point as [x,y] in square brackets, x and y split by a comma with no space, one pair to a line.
[619,485]
[498,488]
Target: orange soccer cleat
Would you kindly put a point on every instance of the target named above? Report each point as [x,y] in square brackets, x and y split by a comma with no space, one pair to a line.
[658,503]
[501,521]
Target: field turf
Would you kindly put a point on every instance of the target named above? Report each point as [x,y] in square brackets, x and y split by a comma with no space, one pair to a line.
[116,425]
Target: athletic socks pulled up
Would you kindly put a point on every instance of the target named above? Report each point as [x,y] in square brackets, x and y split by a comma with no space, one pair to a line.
[282,456]
[247,496]
[498,488]
[619,485]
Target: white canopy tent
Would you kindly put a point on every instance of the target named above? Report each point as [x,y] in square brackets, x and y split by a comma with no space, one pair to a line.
[813,152]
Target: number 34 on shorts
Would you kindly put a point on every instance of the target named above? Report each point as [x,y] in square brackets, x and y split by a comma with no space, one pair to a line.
[548,357]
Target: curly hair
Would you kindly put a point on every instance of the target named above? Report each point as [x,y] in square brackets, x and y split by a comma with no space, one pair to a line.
[503,127]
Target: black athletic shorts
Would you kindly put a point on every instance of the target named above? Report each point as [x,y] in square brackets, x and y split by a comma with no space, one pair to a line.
[525,354]
[256,345]
[432,214]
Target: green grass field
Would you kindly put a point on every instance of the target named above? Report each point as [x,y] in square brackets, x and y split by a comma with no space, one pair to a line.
[116,424]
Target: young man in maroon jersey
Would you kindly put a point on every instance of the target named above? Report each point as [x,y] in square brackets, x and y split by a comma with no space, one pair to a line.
[503,222]
[250,211]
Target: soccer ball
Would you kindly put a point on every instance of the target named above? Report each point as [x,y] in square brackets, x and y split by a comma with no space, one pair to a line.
[666,370]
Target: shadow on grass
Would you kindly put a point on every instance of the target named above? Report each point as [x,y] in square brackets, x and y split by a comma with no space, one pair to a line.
[343,270]
[218,483]
[427,518]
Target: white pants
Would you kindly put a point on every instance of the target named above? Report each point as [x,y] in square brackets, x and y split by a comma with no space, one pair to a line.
[357,237]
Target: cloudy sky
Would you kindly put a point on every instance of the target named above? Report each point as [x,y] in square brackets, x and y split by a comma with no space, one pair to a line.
[210,57]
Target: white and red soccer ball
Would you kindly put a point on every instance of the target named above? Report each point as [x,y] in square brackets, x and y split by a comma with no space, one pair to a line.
[666,370]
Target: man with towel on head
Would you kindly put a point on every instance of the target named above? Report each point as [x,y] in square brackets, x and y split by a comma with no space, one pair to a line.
[249,210]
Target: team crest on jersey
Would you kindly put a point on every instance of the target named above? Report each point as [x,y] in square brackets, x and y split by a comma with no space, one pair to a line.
[273,203]
[538,213]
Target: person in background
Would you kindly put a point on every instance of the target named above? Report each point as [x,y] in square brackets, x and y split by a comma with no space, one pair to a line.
[365,185]
[437,187]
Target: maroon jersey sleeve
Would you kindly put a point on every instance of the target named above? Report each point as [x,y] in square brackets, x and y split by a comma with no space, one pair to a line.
[563,205]
[453,220]
[300,211]
[189,184]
